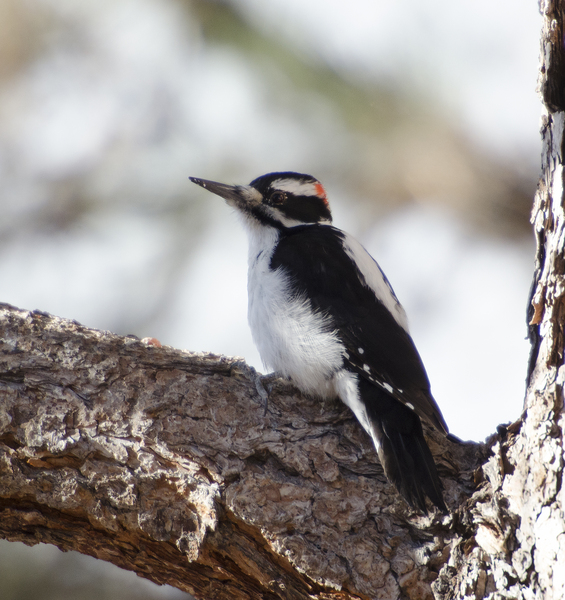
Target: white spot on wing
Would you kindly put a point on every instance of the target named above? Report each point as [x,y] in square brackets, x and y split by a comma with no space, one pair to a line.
[360,350]
[367,368]
[410,405]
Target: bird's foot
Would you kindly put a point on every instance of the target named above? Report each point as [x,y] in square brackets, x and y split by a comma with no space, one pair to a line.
[256,378]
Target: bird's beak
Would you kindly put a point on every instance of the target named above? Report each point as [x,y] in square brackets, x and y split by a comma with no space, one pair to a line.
[243,197]
[231,193]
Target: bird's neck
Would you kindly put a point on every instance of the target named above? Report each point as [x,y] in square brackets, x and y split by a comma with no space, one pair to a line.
[262,240]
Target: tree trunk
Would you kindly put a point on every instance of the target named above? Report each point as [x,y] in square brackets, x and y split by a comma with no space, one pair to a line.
[518,550]
[165,463]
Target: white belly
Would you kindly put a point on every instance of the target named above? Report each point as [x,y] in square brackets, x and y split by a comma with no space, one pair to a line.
[290,338]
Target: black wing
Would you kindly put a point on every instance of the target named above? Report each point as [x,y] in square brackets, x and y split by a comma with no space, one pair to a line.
[378,348]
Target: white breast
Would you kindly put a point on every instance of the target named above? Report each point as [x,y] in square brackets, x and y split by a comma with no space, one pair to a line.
[291,339]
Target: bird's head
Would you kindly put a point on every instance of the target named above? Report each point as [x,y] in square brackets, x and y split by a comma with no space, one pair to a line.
[280,200]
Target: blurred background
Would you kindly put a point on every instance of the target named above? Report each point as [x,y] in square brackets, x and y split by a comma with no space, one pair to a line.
[421,119]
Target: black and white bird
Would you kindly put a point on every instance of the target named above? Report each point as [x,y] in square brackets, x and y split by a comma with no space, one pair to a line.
[323,314]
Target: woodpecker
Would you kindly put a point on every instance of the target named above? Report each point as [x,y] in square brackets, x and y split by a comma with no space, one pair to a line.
[323,314]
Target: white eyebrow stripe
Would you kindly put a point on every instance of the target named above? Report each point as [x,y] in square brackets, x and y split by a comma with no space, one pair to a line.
[300,188]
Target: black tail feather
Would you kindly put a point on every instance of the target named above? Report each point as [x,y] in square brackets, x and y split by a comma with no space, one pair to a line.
[408,463]
[403,451]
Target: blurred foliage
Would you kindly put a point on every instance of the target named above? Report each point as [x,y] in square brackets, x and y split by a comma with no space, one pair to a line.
[375,110]
[402,148]
[405,148]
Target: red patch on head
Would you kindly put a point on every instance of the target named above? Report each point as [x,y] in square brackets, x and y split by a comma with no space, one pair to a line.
[321,192]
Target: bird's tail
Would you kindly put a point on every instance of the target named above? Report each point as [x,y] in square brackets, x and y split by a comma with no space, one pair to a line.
[403,451]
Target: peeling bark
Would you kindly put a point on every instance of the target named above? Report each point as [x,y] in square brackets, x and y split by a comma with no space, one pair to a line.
[163,462]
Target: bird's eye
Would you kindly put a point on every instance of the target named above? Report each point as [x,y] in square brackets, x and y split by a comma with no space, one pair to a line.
[277,197]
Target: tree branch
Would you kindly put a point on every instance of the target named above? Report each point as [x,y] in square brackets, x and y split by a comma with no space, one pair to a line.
[163,462]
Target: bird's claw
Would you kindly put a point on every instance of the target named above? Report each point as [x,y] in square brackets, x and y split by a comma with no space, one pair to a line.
[256,378]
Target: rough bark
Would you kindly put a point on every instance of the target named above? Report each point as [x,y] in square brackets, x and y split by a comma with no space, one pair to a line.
[163,462]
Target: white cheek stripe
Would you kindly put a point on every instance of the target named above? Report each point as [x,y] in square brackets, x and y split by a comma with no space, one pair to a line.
[375,279]
[277,215]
